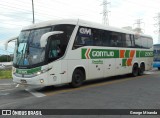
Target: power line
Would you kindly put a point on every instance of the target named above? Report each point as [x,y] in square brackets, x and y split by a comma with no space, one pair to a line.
[141,5]
[8,6]
[40,12]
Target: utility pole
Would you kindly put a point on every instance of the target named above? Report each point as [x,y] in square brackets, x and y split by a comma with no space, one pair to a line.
[105,19]
[138,28]
[33,12]
[157,18]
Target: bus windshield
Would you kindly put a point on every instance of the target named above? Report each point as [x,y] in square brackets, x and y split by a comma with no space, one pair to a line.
[28,51]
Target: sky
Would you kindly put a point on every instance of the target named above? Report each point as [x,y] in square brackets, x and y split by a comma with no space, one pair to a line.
[16,14]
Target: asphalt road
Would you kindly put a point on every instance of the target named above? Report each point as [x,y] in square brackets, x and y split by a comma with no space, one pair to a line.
[120,92]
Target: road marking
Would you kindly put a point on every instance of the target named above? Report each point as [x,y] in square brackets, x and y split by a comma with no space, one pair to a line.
[6,84]
[94,85]
[35,93]
[8,89]
[2,94]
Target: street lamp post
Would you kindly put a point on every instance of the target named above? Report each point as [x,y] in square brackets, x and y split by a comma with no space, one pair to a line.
[33,11]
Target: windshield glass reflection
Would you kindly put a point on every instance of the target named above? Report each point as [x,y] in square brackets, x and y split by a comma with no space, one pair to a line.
[29,51]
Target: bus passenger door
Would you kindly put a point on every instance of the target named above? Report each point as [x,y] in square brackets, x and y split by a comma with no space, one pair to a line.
[95,68]
[109,67]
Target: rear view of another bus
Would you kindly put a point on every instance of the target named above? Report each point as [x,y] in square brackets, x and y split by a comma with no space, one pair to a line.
[156,63]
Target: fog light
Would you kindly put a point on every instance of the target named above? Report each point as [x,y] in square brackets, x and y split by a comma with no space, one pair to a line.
[41,80]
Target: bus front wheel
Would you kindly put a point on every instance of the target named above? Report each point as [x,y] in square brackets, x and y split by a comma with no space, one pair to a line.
[77,78]
[135,70]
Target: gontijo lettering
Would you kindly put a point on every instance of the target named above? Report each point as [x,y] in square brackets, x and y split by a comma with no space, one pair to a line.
[102,53]
[99,53]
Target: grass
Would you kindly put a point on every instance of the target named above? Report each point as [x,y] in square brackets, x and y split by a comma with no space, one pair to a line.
[5,74]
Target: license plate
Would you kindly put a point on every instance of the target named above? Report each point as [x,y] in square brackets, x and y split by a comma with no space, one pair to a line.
[23,81]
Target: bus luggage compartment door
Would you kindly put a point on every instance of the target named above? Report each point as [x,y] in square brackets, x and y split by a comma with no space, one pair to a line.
[96,68]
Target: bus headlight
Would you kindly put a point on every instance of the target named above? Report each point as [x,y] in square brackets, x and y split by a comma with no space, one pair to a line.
[38,73]
[42,71]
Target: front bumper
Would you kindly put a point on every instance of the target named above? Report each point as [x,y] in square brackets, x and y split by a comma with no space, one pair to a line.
[39,80]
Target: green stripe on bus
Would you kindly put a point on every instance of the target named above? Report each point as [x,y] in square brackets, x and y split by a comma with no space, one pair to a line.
[83,53]
[109,53]
[146,54]
[127,54]
[124,62]
[137,53]
[28,71]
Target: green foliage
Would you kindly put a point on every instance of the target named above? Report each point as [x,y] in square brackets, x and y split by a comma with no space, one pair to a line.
[5,58]
[5,74]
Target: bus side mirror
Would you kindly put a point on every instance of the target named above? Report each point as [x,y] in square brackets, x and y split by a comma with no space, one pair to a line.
[9,40]
[44,37]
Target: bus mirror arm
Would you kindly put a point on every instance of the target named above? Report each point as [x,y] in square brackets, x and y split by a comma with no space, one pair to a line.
[44,37]
[9,40]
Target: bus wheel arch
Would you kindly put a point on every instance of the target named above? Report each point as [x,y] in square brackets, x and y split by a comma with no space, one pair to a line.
[135,70]
[78,77]
[141,68]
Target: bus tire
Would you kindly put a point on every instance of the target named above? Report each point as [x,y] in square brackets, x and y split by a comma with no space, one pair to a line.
[77,78]
[141,69]
[135,70]
[158,68]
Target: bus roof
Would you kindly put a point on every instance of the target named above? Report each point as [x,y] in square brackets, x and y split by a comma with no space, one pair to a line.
[81,23]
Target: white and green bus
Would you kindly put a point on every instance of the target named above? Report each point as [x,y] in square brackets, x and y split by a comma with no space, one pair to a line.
[73,51]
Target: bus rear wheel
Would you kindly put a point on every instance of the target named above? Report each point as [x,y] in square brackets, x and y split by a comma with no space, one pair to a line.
[141,69]
[135,70]
[77,78]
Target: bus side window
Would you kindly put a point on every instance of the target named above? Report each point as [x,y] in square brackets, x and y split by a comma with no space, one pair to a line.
[144,42]
[105,38]
[133,41]
[83,38]
[116,40]
[128,41]
[54,48]
[138,42]
[97,39]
